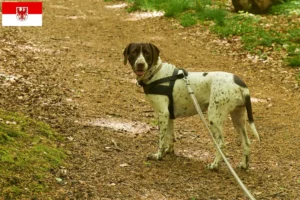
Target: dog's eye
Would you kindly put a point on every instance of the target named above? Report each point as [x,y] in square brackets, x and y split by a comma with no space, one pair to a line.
[146,53]
[133,53]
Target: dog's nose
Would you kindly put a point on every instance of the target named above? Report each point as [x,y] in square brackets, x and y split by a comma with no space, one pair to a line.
[140,66]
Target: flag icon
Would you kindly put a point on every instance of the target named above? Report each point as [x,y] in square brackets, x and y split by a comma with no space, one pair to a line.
[22,14]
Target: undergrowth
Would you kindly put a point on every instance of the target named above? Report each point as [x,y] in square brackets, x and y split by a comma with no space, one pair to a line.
[256,32]
[28,154]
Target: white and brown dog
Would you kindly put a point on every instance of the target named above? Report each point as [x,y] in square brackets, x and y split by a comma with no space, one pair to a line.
[220,93]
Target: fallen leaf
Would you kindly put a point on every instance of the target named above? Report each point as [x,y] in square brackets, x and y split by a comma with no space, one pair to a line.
[124,165]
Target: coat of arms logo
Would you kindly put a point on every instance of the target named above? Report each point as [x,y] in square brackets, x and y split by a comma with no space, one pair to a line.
[22,13]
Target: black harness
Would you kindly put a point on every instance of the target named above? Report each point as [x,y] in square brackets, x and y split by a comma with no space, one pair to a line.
[167,90]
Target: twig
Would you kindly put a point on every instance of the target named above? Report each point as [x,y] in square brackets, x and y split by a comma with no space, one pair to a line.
[116,147]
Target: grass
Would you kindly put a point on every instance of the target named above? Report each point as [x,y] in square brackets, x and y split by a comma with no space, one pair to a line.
[257,33]
[144,5]
[291,6]
[188,19]
[28,154]
[173,8]
[210,14]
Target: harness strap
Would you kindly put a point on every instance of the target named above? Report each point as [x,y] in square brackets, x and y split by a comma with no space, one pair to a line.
[167,90]
[175,76]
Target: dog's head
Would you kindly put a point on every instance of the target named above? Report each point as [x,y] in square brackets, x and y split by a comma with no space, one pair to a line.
[141,56]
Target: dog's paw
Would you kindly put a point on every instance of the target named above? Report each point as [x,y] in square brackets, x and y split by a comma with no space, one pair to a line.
[155,156]
[243,166]
[169,150]
[213,166]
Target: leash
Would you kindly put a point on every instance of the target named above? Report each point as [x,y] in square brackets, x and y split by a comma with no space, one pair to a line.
[191,92]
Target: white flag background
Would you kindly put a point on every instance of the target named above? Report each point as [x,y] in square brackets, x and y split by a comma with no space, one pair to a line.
[22,14]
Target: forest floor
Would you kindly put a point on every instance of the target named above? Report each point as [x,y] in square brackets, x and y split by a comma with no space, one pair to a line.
[70,73]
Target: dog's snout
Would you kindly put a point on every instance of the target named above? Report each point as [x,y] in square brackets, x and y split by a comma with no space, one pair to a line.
[140,66]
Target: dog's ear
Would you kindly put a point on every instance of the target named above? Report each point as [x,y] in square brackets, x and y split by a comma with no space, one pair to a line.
[155,53]
[126,53]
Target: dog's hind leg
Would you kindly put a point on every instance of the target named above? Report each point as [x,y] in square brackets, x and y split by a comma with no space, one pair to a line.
[216,120]
[238,117]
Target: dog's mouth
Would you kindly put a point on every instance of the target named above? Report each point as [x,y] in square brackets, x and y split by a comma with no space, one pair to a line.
[140,72]
[140,69]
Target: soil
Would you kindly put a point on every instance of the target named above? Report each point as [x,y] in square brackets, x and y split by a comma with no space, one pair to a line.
[70,73]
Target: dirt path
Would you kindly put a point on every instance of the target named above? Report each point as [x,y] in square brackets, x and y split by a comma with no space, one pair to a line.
[81,60]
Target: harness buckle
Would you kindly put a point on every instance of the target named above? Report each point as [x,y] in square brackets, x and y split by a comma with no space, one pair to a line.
[187,82]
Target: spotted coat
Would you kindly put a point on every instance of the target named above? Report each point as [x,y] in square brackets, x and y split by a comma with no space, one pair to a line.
[219,93]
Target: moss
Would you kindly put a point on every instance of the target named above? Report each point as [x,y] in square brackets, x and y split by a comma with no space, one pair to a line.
[28,154]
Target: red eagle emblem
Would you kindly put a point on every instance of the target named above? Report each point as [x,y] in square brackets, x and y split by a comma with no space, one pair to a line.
[22,13]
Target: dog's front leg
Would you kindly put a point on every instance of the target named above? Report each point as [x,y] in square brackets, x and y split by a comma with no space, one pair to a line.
[170,137]
[166,136]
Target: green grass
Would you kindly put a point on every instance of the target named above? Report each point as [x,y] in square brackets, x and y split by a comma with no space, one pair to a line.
[257,33]
[289,7]
[174,8]
[294,61]
[216,15]
[201,5]
[188,19]
[28,153]
[236,25]
[144,5]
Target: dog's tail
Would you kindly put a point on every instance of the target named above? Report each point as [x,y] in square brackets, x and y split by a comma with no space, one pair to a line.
[250,115]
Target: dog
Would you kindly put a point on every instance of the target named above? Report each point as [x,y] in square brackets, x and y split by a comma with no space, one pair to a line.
[220,93]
